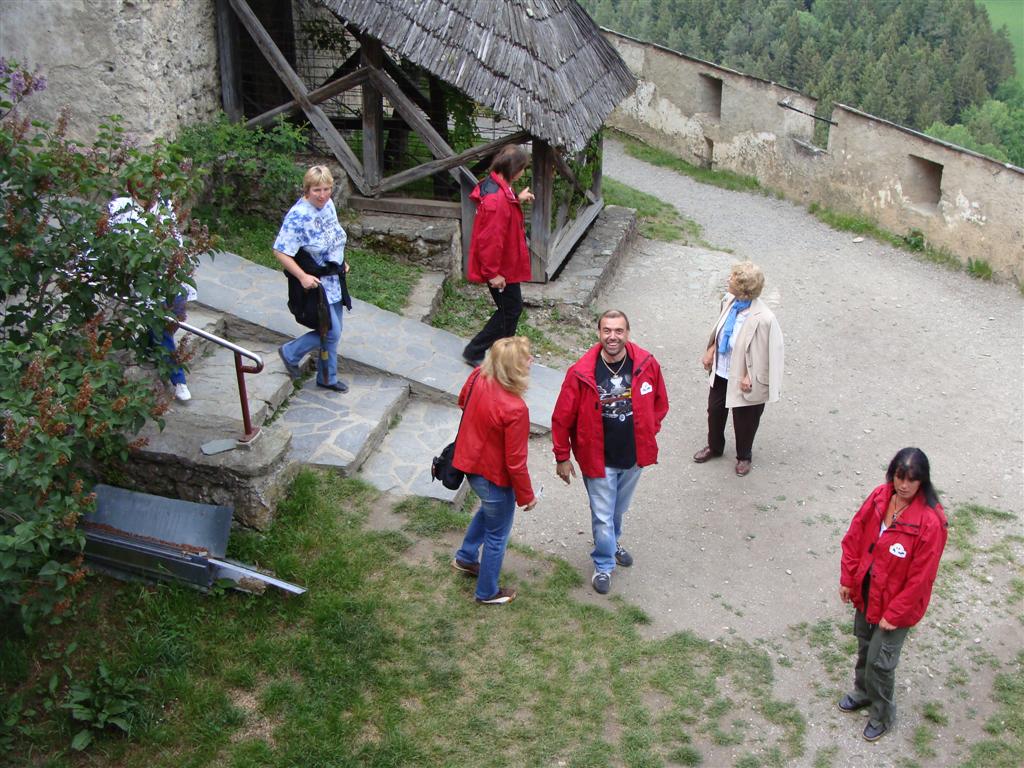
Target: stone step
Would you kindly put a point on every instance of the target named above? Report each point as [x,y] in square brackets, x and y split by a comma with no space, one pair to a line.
[339,431]
[402,463]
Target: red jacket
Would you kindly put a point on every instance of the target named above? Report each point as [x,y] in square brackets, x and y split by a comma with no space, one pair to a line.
[498,243]
[903,561]
[577,421]
[493,436]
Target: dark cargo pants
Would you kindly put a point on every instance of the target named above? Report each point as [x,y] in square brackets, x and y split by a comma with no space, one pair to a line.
[874,677]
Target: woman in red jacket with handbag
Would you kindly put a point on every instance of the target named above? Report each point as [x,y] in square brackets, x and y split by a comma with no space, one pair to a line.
[498,255]
[891,554]
[491,450]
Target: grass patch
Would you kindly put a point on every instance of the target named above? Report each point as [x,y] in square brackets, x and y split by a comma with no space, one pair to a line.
[374,278]
[389,663]
[858,224]
[963,525]
[465,308]
[933,713]
[724,179]
[656,220]
[1006,747]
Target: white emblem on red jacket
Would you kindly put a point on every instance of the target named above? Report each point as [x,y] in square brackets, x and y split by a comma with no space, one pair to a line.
[646,388]
[898,550]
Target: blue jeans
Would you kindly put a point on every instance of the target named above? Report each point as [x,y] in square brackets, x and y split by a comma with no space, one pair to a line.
[327,363]
[167,342]
[609,499]
[489,528]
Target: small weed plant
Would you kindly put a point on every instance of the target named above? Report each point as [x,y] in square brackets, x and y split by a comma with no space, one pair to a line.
[979,268]
[105,701]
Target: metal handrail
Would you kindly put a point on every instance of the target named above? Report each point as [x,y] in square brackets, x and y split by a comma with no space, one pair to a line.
[240,371]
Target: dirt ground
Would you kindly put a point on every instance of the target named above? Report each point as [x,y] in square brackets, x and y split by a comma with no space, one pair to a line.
[882,351]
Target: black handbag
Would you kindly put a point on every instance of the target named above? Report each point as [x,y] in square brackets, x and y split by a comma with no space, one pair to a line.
[441,467]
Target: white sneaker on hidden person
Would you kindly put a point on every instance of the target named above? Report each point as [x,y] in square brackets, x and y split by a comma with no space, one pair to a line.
[181,393]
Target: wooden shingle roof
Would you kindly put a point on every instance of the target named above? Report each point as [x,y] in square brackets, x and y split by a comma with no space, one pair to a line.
[541,64]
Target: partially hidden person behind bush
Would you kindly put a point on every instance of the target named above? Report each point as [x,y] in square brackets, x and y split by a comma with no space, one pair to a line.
[312,225]
[491,449]
[891,555]
[498,255]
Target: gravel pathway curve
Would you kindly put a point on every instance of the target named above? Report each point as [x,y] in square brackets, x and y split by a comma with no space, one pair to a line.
[882,351]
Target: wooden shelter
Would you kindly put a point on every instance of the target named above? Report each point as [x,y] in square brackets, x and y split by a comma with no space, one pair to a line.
[541,67]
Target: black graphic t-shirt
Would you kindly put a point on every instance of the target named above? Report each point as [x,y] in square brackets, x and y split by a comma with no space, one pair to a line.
[615,390]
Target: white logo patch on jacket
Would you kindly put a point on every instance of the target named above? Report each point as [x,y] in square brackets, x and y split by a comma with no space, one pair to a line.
[898,550]
[646,388]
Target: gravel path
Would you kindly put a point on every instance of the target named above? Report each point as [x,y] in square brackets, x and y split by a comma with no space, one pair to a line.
[882,351]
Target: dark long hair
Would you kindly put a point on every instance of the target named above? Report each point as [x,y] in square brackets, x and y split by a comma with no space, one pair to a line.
[913,464]
[509,161]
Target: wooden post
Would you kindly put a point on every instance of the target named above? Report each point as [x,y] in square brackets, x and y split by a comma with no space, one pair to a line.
[227,54]
[468,215]
[373,114]
[540,219]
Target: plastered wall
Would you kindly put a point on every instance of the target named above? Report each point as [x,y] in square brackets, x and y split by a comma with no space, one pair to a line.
[709,115]
[152,61]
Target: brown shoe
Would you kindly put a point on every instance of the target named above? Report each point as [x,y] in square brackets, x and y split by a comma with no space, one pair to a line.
[704,454]
[470,569]
[742,467]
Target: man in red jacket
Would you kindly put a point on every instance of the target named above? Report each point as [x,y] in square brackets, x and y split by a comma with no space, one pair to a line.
[608,413]
[498,255]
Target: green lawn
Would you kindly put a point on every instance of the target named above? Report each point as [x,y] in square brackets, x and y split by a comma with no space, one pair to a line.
[1010,13]
[386,661]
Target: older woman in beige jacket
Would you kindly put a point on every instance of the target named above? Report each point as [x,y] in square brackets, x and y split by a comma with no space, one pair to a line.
[744,358]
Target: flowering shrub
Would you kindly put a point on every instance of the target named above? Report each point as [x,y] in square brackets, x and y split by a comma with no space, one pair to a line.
[78,299]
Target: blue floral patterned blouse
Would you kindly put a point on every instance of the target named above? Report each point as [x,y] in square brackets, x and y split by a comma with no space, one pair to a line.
[320,233]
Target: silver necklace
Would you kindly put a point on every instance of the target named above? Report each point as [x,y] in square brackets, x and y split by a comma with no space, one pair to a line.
[616,379]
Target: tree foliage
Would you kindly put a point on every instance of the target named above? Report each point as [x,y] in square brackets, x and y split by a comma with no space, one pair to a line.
[78,299]
[915,62]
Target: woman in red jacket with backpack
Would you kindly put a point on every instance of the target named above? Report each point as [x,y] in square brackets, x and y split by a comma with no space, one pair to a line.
[891,554]
[498,255]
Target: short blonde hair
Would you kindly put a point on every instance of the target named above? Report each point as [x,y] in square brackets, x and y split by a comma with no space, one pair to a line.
[316,176]
[748,280]
[508,363]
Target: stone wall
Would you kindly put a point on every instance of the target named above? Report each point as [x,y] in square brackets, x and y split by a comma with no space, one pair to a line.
[710,115]
[152,61]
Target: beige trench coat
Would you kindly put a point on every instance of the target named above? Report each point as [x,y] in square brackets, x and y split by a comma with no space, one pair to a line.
[759,351]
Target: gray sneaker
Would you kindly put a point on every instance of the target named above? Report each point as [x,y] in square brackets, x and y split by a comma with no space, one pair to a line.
[623,558]
[602,582]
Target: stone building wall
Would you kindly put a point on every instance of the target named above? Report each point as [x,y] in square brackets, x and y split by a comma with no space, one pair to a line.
[964,202]
[152,61]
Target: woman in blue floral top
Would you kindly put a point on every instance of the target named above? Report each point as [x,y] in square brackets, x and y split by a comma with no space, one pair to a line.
[312,224]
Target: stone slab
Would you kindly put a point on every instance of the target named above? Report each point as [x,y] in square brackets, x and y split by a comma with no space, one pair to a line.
[428,358]
[339,431]
[402,463]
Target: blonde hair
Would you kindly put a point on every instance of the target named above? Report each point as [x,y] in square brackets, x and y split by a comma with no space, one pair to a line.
[317,175]
[748,280]
[508,363]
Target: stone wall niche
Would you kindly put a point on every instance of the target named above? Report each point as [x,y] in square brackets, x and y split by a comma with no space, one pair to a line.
[711,96]
[923,184]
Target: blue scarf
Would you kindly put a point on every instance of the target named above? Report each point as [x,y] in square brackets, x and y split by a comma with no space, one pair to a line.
[730,321]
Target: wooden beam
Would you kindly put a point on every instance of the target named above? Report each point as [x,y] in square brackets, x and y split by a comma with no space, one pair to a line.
[408,86]
[298,90]
[411,114]
[410,206]
[468,216]
[445,163]
[540,218]
[567,237]
[373,114]
[321,94]
[227,49]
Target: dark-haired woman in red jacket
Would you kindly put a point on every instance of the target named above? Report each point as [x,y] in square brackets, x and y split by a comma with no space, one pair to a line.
[891,554]
[498,255]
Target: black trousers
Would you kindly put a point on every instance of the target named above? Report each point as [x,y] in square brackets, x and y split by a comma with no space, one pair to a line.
[503,322]
[745,421]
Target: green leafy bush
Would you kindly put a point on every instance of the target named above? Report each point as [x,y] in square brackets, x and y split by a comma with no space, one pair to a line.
[78,298]
[248,170]
[104,701]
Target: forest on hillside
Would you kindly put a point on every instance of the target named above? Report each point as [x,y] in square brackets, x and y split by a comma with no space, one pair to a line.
[933,65]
